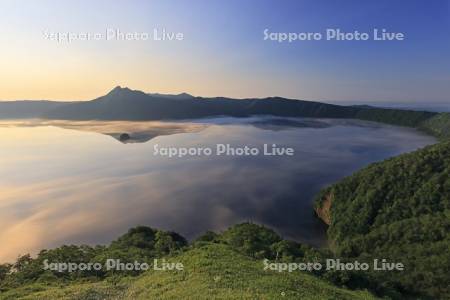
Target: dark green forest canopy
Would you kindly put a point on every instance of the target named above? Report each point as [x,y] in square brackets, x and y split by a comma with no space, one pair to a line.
[397,209]
[438,125]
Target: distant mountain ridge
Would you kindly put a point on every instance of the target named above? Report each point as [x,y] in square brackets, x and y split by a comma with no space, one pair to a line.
[24,109]
[125,104]
[132,105]
[181,96]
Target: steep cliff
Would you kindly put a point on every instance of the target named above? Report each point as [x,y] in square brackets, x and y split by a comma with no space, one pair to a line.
[323,208]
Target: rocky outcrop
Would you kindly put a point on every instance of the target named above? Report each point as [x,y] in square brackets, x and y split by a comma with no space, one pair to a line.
[323,209]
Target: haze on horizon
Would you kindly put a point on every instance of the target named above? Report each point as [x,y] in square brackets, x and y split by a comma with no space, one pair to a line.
[223,52]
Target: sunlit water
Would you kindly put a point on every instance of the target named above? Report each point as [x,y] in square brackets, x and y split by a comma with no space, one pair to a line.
[69,186]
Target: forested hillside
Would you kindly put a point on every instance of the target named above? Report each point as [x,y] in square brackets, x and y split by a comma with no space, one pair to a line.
[438,125]
[398,209]
[399,117]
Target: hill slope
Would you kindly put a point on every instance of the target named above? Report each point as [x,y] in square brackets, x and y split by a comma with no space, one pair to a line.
[398,209]
[438,125]
[212,272]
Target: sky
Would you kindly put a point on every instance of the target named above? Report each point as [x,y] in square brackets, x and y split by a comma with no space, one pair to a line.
[223,51]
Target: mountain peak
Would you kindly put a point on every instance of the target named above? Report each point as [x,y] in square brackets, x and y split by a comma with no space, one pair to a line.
[185,95]
[118,89]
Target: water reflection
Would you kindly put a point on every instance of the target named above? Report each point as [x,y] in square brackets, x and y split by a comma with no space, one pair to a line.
[77,186]
[124,131]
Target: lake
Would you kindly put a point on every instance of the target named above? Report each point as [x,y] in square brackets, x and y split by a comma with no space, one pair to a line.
[88,182]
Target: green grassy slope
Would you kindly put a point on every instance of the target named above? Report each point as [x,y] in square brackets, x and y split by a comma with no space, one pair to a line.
[398,209]
[212,271]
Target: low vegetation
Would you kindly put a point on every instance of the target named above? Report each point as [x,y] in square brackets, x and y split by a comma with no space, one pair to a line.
[216,266]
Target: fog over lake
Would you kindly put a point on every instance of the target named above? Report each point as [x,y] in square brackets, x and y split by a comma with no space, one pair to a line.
[79,183]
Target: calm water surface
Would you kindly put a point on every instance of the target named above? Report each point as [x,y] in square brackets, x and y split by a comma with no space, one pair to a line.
[60,185]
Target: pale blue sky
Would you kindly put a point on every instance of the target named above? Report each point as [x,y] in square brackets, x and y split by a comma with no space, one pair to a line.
[223,51]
